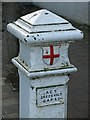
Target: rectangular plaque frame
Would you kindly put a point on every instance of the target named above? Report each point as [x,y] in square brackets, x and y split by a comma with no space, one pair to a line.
[50,95]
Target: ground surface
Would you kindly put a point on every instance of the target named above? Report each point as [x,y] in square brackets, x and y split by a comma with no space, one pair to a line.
[78,84]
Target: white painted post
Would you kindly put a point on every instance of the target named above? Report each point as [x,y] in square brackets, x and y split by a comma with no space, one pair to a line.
[43,63]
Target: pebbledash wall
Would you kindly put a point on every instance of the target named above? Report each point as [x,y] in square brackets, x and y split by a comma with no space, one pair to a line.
[76,11]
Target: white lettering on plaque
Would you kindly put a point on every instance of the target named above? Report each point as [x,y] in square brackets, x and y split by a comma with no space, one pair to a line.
[50,95]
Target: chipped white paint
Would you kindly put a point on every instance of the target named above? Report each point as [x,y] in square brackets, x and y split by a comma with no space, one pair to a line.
[28,97]
[43,73]
[43,27]
[32,56]
[43,63]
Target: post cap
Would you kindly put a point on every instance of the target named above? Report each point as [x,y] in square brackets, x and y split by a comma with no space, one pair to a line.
[43,17]
[43,26]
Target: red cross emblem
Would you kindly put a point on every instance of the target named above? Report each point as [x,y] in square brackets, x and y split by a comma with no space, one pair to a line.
[51,54]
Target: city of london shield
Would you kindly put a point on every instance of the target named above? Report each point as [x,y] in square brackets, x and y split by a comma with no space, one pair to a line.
[51,54]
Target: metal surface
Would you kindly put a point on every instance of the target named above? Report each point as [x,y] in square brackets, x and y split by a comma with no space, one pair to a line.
[44,73]
[41,28]
[43,63]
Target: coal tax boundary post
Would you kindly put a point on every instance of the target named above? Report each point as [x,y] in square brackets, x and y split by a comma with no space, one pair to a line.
[43,63]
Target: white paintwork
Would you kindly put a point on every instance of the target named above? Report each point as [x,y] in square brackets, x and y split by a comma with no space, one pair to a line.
[50,95]
[29,28]
[53,36]
[35,18]
[39,35]
[44,29]
[32,55]
[28,107]
[44,73]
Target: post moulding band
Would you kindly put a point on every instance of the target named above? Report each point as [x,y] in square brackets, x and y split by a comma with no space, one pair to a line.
[44,37]
[43,73]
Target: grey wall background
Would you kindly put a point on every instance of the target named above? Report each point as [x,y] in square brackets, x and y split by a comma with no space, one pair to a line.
[76,11]
[11,11]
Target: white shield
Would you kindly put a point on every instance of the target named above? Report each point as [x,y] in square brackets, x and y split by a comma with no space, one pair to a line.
[50,54]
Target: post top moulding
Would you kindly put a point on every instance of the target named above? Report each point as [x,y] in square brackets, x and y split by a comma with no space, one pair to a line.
[43,26]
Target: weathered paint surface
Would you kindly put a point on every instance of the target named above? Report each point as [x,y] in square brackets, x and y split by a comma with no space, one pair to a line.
[43,63]
[50,95]
[39,27]
[35,53]
[29,101]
